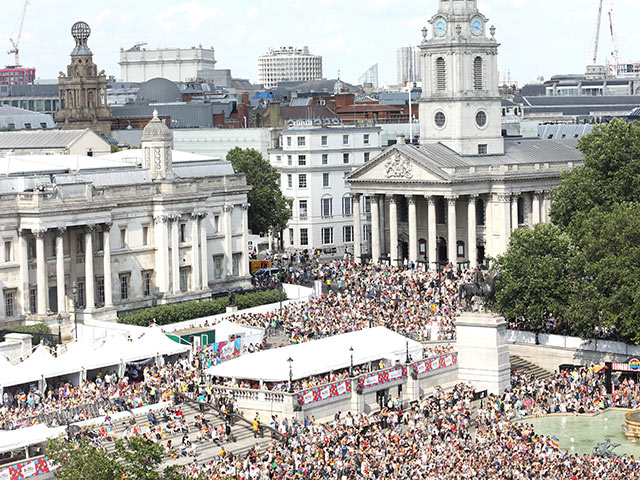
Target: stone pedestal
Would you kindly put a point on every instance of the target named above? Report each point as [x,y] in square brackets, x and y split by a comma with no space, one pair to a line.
[232,309]
[483,356]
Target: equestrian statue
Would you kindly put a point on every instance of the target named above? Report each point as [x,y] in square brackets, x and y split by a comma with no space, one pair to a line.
[482,290]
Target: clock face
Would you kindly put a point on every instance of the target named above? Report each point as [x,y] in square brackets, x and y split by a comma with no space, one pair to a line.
[477,26]
[440,27]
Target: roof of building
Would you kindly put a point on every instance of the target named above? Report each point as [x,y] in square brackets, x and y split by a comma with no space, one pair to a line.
[306,113]
[156,131]
[578,105]
[21,119]
[40,139]
[370,108]
[158,90]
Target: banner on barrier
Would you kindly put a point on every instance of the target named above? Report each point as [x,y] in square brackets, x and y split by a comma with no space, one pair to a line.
[382,377]
[324,392]
[436,363]
[29,469]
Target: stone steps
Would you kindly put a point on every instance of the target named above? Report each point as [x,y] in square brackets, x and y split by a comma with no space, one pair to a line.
[522,365]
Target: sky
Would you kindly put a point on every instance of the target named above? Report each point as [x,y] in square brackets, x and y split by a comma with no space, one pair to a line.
[545,37]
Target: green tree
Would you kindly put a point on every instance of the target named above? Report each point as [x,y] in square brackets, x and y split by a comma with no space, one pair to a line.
[536,276]
[269,210]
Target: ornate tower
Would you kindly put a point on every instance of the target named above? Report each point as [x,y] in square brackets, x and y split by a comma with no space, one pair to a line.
[83,90]
[460,105]
[157,148]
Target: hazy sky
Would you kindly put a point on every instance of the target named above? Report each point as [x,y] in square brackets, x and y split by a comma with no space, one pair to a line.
[553,36]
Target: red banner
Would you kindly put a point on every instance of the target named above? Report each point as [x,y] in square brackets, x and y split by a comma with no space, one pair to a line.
[28,469]
[435,363]
[323,393]
[383,376]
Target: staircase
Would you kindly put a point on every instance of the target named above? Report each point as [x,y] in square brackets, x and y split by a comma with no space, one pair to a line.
[521,365]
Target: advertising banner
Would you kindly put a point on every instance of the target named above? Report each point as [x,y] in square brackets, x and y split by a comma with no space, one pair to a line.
[29,469]
[436,363]
[324,392]
[383,376]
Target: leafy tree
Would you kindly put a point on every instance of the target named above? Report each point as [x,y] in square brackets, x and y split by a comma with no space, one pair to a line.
[269,210]
[535,276]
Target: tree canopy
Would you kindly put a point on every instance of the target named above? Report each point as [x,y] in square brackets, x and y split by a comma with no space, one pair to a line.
[269,210]
[588,273]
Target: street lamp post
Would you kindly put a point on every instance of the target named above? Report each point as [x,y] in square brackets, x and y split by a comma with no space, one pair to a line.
[74,291]
[59,320]
[351,367]
[290,360]
[407,360]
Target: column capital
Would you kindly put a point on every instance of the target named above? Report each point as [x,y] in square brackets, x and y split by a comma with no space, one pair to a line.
[203,214]
[411,199]
[22,232]
[504,197]
[174,218]
[161,219]
[106,227]
[195,215]
[89,228]
[473,198]
[60,231]
[227,208]
[392,198]
[451,199]
[245,206]
[431,199]
[356,196]
[39,232]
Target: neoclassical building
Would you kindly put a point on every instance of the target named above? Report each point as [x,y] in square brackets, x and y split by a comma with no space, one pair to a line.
[94,236]
[458,195]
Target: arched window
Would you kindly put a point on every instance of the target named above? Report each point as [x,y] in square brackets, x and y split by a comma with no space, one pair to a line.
[477,73]
[441,74]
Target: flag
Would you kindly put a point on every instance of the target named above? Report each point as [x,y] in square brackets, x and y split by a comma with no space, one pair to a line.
[555,442]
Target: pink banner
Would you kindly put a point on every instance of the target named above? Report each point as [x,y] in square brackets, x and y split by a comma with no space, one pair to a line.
[383,376]
[323,393]
[28,469]
[436,363]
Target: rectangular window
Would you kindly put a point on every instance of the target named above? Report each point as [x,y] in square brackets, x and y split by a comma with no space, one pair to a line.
[217,267]
[33,300]
[366,139]
[302,160]
[482,149]
[325,158]
[366,233]
[302,205]
[7,251]
[288,141]
[123,238]
[124,286]
[100,290]
[345,158]
[304,237]
[81,298]
[302,141]
[216,223]
[146,284]
[345,139]
[289,159]
[367,156]
[183,232]
[291,238]
[278,158]
[79,244]
[289,180]
[184,279]
[99,241]
[326,207]
[10,303]
[347,206]
[327,236]
[145,235]
[324,140]
[347,233]
[325,179]
[367,204]
[302,180]
[235,264]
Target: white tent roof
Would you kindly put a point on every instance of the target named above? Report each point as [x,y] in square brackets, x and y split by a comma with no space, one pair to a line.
[32,369]
[319,356]
[225,329]
[15,439]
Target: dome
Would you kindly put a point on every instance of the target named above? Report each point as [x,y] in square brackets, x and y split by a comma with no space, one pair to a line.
[156,131]
[158,90]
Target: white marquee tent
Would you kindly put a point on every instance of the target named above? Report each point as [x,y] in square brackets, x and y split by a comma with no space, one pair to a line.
[320,356]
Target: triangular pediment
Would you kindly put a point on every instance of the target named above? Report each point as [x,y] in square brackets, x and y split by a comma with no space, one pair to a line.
[397,164]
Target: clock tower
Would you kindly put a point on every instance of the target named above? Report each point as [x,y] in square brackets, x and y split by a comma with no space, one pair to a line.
[461,105]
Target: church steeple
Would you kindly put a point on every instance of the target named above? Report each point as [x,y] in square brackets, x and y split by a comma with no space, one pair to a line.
[461,105]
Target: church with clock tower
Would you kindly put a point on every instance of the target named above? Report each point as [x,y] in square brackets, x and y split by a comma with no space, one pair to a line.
[456,196]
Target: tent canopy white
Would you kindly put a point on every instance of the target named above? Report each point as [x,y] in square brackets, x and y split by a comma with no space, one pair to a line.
[226,329]
[319,356]
[16,439]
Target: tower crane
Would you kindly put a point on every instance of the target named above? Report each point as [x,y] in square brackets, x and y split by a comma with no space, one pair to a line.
[16,43]
[597,39]
[615,53]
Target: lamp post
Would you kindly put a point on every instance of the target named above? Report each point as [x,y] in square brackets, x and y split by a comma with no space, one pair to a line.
[351,367]
[407,360]
[59,320]
[290,360]
[74,291]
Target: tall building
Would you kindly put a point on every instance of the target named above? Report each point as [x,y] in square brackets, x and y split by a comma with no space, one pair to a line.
[409,65]
[288,64]
[83,90]
[176,64]
[370,76]
[313,163]
[17,76]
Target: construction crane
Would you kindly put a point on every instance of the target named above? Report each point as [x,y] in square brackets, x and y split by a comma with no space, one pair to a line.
[614,40]
[597,39]
[16,43]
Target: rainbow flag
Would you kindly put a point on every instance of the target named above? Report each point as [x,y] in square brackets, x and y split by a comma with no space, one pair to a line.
[555,442]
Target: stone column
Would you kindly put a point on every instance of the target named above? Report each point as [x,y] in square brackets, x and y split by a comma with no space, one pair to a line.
[471,228]
[357,229]
[106,265]
[489,230]
[452,241]
[244,264]
[413,229]
[375,229]
[393,230]
[24,271]
[204,252]
[502,223]
[536,207]
[228,240]
[41,274]
[431,233]
[162,253]
[382,209]
[195,252]
[514,212]
[175,254]
[60,289]
[546,208]
[89,276]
